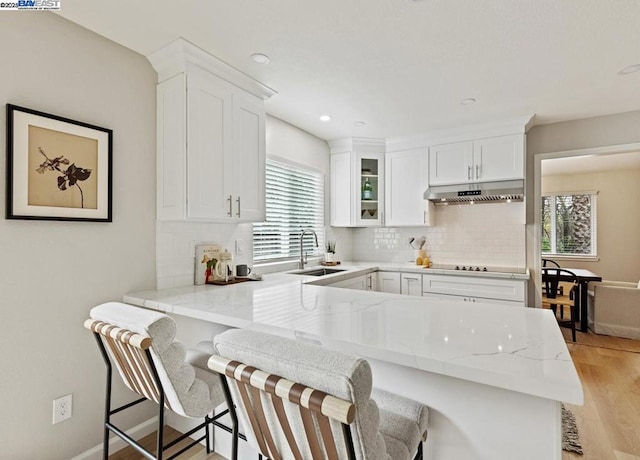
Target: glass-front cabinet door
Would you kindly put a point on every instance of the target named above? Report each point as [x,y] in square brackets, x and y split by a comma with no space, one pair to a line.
[369,173]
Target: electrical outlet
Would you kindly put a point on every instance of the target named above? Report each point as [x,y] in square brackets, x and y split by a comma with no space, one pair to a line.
[62,408]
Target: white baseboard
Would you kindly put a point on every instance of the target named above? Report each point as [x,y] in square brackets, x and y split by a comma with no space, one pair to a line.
[115,443]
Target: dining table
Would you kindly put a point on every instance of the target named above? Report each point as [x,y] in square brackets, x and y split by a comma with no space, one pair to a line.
[584,276]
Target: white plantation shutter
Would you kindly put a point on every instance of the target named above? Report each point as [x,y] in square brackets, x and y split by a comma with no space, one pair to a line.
[294,201]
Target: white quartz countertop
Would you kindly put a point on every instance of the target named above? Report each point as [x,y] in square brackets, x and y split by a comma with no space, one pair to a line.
[518,349]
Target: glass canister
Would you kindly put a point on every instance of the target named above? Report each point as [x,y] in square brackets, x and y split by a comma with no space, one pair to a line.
[225,268]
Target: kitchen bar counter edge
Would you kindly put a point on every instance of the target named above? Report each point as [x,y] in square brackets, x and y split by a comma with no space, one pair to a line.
[534,347]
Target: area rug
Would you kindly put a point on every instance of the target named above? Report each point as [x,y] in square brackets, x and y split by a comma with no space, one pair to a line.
[570,435]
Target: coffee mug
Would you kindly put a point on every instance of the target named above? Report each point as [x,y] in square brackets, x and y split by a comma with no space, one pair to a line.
[242,270]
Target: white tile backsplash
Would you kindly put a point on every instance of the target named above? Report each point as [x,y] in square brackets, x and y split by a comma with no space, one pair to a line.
[175,248]
[485,234]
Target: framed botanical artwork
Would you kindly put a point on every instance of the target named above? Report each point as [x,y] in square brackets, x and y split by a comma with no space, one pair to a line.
[57,169]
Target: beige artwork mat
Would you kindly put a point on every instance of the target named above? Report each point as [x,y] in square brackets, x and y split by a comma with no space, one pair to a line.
[52,156]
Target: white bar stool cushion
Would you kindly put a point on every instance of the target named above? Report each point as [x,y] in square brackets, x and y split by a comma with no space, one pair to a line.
[191,391]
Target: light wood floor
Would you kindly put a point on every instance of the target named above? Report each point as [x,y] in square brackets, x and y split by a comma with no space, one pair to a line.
[149,442]
[609,421]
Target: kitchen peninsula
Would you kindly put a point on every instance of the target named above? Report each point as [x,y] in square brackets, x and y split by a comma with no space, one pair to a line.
[494,376]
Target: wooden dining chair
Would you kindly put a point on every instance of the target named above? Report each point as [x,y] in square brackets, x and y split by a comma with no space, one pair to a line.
[553,297]
[549,262]
[301,401]
[141,345]
[553,263]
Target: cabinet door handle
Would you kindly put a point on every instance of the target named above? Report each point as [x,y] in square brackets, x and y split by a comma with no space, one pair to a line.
[468,172]
[369,282]
[238,202]
[477,171]
[230,200]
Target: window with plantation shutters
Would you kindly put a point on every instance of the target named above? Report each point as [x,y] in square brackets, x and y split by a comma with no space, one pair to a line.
[294,201]
[569,224]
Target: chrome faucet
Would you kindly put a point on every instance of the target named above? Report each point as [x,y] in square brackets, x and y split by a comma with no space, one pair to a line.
[303,255]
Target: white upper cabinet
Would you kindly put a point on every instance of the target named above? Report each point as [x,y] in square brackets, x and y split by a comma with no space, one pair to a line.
[406,179]
[357,183]
[248,157]
[369,192]
[499,158]
[482,160]
[211,138]
[450,163]
[209,147]
[341,202]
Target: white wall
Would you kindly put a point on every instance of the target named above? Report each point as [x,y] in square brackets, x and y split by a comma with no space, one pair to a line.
[293,144]
[52,273]
[483,234]
[618,220]
[608,130]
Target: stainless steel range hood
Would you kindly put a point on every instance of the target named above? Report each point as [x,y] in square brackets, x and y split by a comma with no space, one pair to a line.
[484,192]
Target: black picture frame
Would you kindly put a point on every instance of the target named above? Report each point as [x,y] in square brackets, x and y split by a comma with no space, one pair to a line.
[58,169]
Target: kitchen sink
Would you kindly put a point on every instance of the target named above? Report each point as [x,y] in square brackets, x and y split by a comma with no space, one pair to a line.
[318,271]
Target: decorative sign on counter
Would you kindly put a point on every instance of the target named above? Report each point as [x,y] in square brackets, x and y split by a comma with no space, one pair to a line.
[207,256]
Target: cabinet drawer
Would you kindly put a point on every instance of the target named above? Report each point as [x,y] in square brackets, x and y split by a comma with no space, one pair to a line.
[455,298]
[483,288]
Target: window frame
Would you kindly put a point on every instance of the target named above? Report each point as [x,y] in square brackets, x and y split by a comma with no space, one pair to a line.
[594,226]
[320,229]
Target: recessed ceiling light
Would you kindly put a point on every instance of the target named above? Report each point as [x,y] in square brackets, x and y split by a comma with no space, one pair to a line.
[325,118]
[260,58]
[359,124]
[630,69]
[468,101]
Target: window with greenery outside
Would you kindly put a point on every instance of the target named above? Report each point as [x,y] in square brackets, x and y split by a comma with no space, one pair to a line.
[568,223]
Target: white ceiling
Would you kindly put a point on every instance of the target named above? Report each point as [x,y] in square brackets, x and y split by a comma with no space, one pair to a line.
[590,164]
[402,66]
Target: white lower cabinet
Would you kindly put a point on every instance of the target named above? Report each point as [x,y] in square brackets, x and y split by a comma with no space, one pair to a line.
[359,283]
[453,288]
[389,282]
[371,282]
[411,284]
[475,289]
[367,282]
